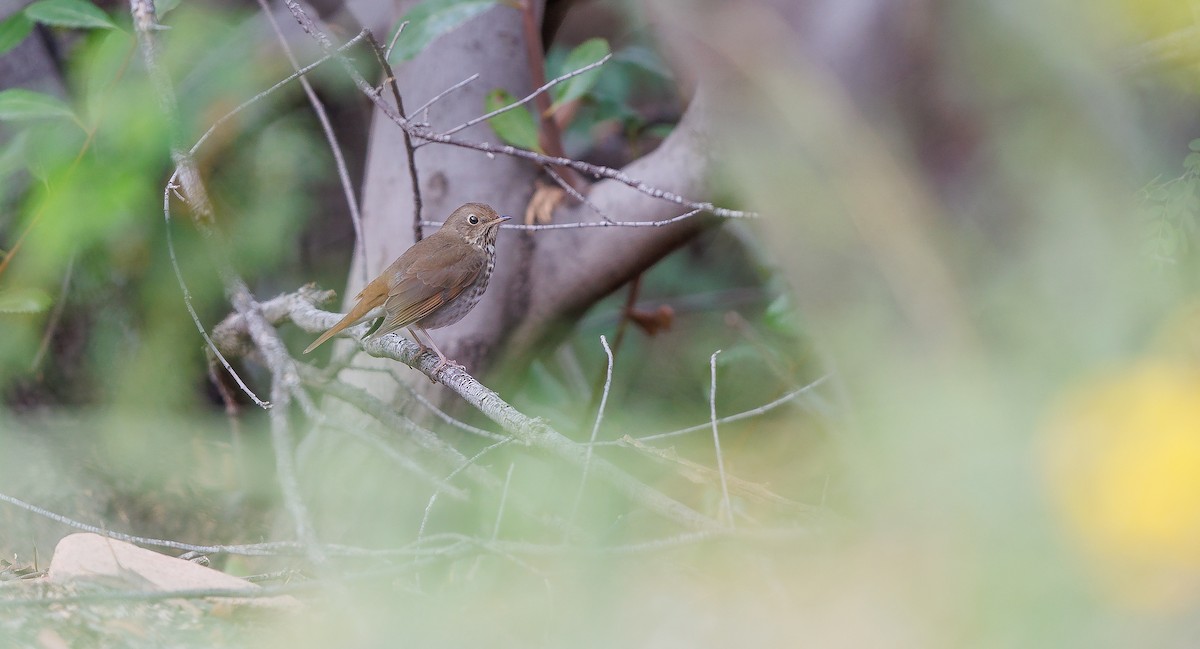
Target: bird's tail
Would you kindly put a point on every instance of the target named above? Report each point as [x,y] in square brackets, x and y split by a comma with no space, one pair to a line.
[356,316]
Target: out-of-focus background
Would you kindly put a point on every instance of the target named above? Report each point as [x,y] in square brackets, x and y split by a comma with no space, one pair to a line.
[963,326]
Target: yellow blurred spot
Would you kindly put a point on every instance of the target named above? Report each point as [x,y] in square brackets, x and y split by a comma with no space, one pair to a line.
[1123,464]
[1156,18]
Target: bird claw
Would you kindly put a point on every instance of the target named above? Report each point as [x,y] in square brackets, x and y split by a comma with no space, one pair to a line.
[442,364]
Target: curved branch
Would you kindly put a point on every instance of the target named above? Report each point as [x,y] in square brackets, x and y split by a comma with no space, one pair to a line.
[530,431]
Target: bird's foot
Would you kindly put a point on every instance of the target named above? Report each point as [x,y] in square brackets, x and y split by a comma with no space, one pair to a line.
[443,363]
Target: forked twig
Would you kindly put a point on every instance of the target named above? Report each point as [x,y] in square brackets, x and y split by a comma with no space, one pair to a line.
[587,463]
[438,97]
[528,98]
[753,412]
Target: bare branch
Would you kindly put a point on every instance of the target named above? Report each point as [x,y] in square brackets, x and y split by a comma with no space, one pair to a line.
[461,425]
[594,224]
[409,149]
[712,407]
[285,469]
[339,160]
[754,412]
[566,186]
[527,430]
[387,56]
[425,107]
[528,98]
[420,133]
[281,83]
[266,339]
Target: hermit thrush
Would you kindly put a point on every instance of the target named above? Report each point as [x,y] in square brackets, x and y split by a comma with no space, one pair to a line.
[435,282]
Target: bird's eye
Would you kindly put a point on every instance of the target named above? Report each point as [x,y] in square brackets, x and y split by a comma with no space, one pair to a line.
[473,220]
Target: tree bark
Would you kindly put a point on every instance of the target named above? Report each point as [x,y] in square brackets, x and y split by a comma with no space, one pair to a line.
[542,279]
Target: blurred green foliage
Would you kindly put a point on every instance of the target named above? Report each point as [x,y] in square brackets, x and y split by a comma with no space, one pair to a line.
[1171,213]
[619,94]
[1007,438]
[86,180]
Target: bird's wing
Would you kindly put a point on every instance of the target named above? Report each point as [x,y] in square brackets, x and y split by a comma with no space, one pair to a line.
[438,276]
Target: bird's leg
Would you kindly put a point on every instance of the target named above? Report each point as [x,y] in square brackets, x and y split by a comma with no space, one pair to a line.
[442,360]
[417,339]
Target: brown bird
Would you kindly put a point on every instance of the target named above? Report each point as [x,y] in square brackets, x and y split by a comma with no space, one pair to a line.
[435,282]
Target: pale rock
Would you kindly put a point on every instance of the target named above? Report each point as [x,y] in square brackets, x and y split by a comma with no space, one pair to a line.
[99,559]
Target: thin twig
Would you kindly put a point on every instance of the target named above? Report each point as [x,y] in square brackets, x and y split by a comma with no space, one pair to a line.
[753,412]
[549,134]
[622,325]
[387,416]
[561,182]
[285,469]
[145,23]
[503,501]
[409,149]
[438,97]
[388,448]
[339,160]
[440,414]
[468,463]
[597,171]
[259,549]
[436,545]
[527,430]
[55,315]
[281,83]
[231,410]
[593,224]
[700,474]
[528,98]
[395,37]
[587,463]
[712,406]
[265,338]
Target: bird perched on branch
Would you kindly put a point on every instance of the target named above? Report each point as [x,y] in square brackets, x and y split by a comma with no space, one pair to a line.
[434,283]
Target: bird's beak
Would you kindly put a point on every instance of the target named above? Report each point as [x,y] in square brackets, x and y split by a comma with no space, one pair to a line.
[504,218]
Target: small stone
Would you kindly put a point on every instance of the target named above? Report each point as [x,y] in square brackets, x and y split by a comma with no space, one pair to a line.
[99,559]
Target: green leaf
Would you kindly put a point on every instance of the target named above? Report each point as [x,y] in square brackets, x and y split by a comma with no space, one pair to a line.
[584,54]
[69,13]
[660,130]
[1192,162]
[430,19]
[28,300]
[21,104]
[643,58]
[161,7]
[516,126]
[13,30]
[13,153]
[1194,145]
